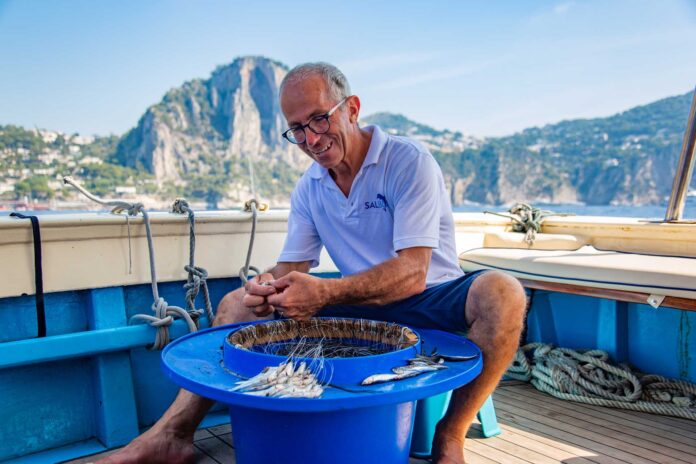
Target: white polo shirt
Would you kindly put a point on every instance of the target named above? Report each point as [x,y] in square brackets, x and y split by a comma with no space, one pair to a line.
[398,200]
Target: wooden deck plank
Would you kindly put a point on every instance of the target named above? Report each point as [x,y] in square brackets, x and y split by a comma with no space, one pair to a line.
[201,434]
[216,449]
[516,449]
[220,429]
[482,448]
[549,450]
[628,434]
[555,427]
[652,433]
[473,457]
[551,444]
[671,425]
[227,438]
[561,440]
[203,458]
[590,430]
[537,428]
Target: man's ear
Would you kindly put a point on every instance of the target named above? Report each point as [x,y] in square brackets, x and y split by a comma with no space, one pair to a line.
[353,105]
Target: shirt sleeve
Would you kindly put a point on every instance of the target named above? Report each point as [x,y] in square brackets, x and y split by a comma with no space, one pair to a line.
[302,242]
[417,202]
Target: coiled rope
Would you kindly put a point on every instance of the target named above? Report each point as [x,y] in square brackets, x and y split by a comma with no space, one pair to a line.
[526,218]
[164,314]
[197,276]
[588,377]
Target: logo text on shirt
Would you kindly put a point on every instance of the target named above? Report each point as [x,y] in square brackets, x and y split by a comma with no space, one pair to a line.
[380,202]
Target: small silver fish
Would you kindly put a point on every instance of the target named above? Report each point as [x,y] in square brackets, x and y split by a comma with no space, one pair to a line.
[283,381]
[416,369]
[380,378]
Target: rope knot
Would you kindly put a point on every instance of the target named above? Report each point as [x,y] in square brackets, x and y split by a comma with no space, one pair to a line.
[196,271]
[254,202]
[180,206]
[132,209]
[197,277]
[527,219]
[159,307]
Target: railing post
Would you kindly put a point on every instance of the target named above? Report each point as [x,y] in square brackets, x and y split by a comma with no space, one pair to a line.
[116,414]
[685,168]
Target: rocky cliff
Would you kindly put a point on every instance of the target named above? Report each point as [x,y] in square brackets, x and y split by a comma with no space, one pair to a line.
[217,131]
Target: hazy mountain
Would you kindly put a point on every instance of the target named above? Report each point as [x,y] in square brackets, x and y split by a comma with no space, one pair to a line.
[203,139]
[443,141]
[628,158]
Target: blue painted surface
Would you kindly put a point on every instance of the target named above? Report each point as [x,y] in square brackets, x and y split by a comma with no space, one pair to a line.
[366,424]
[194,362]
[656,341]
[116,419]
[661,341]
[380,434]
[45,406]
[68,394]
[91,384]
[66,312]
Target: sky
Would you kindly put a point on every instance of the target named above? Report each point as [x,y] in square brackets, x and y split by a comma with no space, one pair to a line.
[485,68]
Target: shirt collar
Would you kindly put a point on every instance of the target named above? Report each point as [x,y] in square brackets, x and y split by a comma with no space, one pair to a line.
[379,140]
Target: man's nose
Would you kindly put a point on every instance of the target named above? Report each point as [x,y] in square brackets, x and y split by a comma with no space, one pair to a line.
[311,137]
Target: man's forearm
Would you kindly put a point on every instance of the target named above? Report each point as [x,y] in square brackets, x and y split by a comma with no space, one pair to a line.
[281,269]
[390,281]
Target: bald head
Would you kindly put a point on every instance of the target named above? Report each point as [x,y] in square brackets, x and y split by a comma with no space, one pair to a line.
[336,83]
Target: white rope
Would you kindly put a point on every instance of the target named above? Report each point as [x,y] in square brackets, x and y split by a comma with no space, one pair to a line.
[526,218]
[589,377]
[251,206]
[164,314]
[197,276]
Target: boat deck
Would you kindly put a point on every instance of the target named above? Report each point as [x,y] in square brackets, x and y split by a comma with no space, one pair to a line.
[539,429]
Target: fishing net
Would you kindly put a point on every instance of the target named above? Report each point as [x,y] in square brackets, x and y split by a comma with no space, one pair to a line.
[324,338]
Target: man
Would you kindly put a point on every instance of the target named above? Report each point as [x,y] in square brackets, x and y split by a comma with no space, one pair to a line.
[379,205]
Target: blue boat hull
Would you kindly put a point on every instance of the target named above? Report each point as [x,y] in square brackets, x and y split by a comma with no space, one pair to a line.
[92,384]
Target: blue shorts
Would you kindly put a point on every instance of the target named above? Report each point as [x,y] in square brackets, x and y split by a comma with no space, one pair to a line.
[439,307]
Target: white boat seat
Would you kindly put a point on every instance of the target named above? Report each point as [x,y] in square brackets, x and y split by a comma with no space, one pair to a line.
[609,274]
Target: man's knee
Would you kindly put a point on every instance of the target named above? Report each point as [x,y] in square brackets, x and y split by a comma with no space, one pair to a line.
[230,309]
[497,297]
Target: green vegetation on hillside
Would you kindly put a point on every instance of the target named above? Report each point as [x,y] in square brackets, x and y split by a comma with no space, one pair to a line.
[627,158]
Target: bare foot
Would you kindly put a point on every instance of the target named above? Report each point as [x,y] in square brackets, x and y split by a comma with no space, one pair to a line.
[448,449]
[153,447]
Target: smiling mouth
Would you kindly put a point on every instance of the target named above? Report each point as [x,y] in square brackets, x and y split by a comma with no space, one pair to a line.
[322,150]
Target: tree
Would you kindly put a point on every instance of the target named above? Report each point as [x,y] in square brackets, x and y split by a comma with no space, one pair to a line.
[34,187]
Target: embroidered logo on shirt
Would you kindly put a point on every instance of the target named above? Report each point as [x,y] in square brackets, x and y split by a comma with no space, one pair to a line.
[380,202]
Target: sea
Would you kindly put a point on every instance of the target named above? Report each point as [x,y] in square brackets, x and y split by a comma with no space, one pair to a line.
[652,212]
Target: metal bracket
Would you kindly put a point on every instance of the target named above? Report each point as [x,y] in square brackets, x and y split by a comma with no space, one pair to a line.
[655,300]
[259,206]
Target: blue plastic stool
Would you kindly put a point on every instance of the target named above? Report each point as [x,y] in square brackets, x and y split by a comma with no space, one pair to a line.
[429,411]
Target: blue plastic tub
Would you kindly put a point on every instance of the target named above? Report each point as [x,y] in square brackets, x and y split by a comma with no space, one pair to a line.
[365,424]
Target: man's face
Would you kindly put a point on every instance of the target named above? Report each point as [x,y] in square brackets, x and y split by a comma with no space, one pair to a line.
[300,101]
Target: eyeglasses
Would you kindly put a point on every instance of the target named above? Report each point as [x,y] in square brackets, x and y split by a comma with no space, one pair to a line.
[318,124]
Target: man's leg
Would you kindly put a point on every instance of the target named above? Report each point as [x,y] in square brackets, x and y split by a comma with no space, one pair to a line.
[494,313]
[170,440]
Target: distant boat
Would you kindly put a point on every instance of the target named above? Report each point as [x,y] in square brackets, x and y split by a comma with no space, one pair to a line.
[691,193]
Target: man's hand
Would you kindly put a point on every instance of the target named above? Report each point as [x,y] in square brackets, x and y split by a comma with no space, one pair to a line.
[257,291]
[298,295]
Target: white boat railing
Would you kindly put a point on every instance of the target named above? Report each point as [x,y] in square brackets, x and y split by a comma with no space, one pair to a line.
[685,168]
